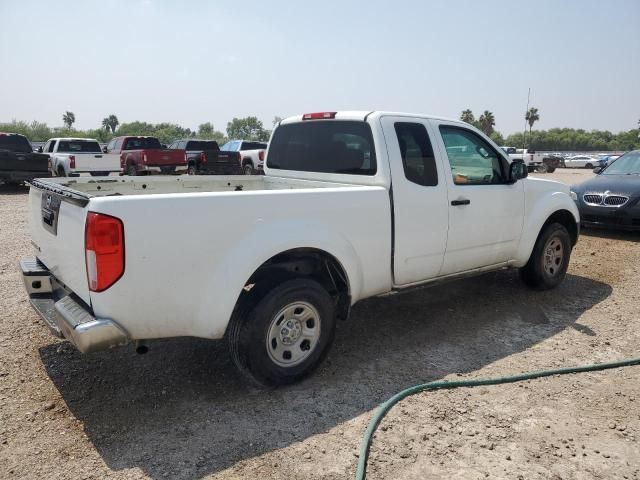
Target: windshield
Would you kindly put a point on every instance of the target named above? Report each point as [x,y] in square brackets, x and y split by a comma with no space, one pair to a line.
[15,143]
[78,146]
[329,146]
[627,164]
[142,143]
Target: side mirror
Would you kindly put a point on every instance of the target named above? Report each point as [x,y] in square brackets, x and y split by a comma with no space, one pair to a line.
[104,150]
[40,149]
[517,171]
[597,170]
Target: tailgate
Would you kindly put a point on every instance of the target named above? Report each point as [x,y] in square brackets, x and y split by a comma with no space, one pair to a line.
[97,162]
[56,223]
[165,157]
[226,163]
[24,162]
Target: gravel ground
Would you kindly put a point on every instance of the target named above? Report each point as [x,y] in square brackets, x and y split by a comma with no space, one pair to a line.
[181,411]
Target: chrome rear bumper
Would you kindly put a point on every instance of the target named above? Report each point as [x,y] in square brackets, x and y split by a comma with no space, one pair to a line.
[66,315]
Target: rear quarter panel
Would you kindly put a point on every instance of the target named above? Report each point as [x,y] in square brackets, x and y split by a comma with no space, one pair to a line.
[188,256]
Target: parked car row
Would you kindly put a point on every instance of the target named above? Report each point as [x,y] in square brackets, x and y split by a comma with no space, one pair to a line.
[540,162]
[127,155]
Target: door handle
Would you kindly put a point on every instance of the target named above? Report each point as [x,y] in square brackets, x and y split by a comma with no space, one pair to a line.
[457,203]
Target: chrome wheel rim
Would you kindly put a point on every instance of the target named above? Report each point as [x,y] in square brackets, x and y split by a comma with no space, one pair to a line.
[293,334]
[553,256]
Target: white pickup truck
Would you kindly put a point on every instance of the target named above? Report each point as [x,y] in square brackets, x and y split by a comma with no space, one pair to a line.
[353,204]
[69,157]
[251,154]
[534,161]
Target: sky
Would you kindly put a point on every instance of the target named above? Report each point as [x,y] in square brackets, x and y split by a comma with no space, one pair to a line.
[196,61]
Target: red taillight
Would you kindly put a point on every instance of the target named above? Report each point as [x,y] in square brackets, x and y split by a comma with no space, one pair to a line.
[261,155]
[72,161]
[319,115]
[104,250]
[203,157]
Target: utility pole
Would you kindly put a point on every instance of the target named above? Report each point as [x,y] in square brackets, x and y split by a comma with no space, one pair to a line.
[524,134]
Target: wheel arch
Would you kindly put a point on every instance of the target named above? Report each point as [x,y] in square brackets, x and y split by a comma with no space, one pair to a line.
[557,207]
[305,262]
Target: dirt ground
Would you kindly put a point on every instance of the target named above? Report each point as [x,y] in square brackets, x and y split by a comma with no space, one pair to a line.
[182,412]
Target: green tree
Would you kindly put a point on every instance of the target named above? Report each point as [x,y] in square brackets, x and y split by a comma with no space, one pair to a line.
[486,122]
[248,128]
[532,116]
[68,118]
[110,123]
[206,131]
[497,137]
[468,117]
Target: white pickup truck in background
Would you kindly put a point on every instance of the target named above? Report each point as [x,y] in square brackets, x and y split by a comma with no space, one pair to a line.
[352,205]
[251,154]
[69,157]
[539,162]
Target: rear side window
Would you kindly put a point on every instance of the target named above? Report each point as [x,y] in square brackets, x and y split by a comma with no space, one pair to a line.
[253,146]
[418,160]
[332,146]
[15,143]
[202,145]
[78,146]
[142,143]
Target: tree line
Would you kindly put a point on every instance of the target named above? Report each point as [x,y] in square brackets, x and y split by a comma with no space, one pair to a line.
[554,139]
[247,128]
[251,128]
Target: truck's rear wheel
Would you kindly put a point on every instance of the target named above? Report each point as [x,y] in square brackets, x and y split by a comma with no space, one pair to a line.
[248,169]
[285,335]
[549,260]
[131,170]
[61,172]
[192,169]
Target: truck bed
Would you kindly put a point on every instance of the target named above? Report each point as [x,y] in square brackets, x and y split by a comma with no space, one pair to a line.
[99,187]
[201,238]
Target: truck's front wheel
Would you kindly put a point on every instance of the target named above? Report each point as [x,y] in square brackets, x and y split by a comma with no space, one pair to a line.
[285,335]
[549,260]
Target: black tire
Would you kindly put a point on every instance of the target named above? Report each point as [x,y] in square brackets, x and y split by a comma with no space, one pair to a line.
[248,169]
[250,329]
[551,169]
[131,170]
[588,165]
[192,169]
[544,272]
[61,172]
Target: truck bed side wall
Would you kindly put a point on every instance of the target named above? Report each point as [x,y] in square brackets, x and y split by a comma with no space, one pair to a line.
[189,256]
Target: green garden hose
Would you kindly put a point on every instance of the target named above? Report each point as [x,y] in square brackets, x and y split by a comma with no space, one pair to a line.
[384,408]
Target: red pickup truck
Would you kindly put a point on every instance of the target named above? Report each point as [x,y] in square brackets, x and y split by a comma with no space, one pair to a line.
[145,155]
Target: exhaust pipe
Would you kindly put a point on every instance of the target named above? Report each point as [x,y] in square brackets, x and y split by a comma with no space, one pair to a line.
[141,347]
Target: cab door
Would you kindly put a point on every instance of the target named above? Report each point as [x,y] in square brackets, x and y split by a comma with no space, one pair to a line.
[486,211]
[419,192]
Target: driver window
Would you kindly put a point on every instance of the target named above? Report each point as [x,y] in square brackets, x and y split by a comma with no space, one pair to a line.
[472,160]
